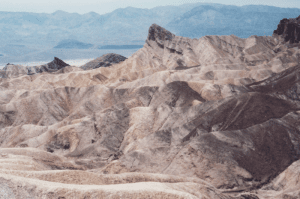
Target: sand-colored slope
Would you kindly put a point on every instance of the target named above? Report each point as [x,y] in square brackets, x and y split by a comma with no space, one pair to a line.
[180,118]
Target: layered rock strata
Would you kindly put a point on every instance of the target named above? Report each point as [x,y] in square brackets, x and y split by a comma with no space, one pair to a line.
[214,117]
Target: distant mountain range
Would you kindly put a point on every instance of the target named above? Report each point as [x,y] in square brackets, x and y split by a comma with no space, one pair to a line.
[74,44]
[226,20]
[129,26]
[120,47]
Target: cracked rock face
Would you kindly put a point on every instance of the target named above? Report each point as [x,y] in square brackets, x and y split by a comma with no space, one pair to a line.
[214,117]
[289,29]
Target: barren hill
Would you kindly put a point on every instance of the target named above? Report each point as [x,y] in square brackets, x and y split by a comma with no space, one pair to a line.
[215,117]
[103,61]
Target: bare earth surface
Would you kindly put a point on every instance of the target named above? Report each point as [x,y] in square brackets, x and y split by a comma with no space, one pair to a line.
[211,118]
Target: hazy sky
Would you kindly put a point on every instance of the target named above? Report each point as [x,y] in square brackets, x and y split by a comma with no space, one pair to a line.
[105,6]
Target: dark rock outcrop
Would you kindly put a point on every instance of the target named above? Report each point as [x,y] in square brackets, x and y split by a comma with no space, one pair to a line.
[159,35]
[11,70]
[289,29]
[52,66]
[55,65]
[104,61]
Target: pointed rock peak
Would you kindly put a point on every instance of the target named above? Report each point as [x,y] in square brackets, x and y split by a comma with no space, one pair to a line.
[159,34]
[289,30]
[57,64]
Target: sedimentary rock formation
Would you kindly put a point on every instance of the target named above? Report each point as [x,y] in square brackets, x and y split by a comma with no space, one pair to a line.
[289,29]
[104,61]
[215,117]
[11,70]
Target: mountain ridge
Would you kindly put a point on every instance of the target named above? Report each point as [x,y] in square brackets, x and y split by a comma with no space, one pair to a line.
[41,32]
[215,117]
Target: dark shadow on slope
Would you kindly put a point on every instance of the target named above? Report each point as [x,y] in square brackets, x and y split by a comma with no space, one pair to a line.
[176,94]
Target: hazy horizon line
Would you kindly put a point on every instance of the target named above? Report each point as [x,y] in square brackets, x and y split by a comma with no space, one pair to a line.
[60,10]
